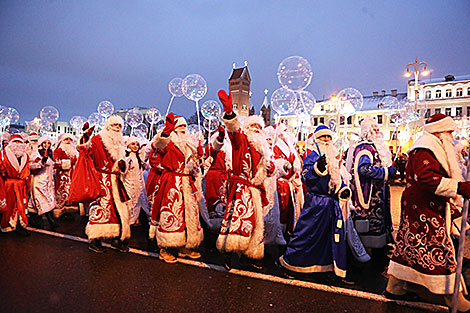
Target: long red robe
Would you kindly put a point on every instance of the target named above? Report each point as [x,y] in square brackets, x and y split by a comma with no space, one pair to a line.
[175,213]
[216,179]
[424,253]
[16,176]
[153,179]
[243,224]
[63,177]
[109,214]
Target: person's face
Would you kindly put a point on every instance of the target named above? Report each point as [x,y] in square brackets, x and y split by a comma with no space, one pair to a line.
[325,140]
[34,142]
[270,141]
[115,127]
[182,129]
[68,140]
[46,145]
[255,128]
[375,130]
[134,146]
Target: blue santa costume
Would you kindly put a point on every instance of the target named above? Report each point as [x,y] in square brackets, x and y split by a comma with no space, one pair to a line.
[319,241]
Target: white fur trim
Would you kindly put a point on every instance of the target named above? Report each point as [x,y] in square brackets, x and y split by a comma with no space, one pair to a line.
[357,180]
[170,240]
[386,173]
[114,119]
[341,190]
[430,142]
[122,208]
[152,231]
[95,231]
[445,124]
[447,188]
[159,142]
[252,120]
[314,268]
[324,173]
[14,161]
[284,147]
[438,284]
[232,125]
[194,233]
[180,121]
[323,132]
[255,248]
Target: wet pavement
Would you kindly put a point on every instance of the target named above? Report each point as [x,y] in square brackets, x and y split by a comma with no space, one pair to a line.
[42,273]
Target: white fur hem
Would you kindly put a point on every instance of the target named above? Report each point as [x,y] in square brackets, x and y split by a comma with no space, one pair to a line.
[194,233]
[95,231]
[386,174]
[314,268]
[438,284]
[152,231]
[233,124]
[324,173]
[447,188]
[171,240]
[232,243]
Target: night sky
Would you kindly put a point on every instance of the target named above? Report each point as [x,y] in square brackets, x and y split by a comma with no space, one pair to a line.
[73,54]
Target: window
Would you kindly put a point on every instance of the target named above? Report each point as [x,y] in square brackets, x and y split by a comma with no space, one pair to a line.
[458,111]
[437,110]
[58,128]
[427,95]
[428,113]
[322,120]
[315,121]
[323,107]
[438,93]
[379,119]
[468,91]
[459,92]
[349,120]
[235,106]
[244,107]
[468,111]
[449,93]
[448,111]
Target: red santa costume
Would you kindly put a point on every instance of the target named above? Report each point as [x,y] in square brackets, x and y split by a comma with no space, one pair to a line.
[41,165]
[109,214]
[289,187]
[16,175]
[424,253]
[175,212]
[65,156]
[243,226]
[153,179]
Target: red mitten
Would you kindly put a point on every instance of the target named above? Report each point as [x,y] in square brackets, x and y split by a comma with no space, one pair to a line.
[200,151]
[226,101]
[221,136]
[464,189]
[169,124]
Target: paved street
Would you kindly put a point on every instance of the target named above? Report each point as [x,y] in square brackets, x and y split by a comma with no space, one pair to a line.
[47,274]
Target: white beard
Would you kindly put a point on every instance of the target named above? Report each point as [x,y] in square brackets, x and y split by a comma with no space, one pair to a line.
[69,149]
[384,154]
[448,145]
[113,143]
[332,164]
[258,140]
[18,149]
[184,142]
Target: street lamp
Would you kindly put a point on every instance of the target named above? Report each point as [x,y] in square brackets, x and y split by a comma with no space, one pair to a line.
[416,66]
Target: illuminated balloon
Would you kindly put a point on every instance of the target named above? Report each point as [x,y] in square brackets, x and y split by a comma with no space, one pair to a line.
[294,73]
[306,102]
[415,110]
[351,95]
[134,117]
[389,105]
[194,87]
[283,101]
[77,121]
[105,108]
[13,115]
[404,136]
[4,118]
[210,109]
[49,114]
[97,120]
[346,108]
[176,87]
[210,124]
[153,115]
[141,130]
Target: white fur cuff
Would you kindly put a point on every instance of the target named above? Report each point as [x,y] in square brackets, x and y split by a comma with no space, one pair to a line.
[233,124]
[324,173]
[447,188]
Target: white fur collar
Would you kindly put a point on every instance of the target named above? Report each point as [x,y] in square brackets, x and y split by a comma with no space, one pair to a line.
[284,147]
[431,142]
[14,161]
[116,151]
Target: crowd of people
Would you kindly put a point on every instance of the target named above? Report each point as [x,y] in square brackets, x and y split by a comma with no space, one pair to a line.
[250,187]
